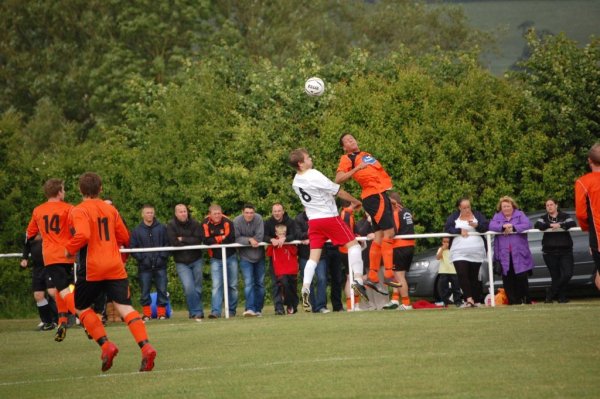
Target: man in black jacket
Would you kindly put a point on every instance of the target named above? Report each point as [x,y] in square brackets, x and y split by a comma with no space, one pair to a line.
[182,231]
[278,216]
[152,266]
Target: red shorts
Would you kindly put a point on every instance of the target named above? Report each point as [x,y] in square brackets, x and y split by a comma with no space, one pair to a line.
[333,228]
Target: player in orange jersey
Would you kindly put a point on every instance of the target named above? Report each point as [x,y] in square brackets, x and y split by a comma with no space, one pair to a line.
[98,232]
[375,182]
[587,205]
[50,220]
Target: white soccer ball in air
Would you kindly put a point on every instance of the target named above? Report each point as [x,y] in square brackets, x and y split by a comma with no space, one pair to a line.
[314,86]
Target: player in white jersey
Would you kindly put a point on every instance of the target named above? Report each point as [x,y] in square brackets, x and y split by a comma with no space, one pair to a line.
[317,194]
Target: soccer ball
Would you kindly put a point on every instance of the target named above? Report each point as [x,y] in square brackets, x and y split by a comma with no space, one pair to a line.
[314,86]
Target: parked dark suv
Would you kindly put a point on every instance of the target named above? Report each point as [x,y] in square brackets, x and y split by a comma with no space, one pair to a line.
[423,275]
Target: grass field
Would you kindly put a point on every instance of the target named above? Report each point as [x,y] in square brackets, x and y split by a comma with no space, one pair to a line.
[536,351]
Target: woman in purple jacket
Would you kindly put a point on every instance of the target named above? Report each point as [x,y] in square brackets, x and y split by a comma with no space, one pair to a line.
[512,250]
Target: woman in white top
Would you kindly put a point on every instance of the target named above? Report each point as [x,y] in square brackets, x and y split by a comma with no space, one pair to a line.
[467,252]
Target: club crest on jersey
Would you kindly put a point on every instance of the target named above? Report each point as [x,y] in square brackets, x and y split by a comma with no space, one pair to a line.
[369,159]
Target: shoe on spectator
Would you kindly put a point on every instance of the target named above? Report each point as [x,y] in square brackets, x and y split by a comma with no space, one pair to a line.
[213,316]
[61,332]
[391,305]
[279,312]
[441,304]
[360,290]
[145,318]
[109,351]
[47,326]
[162,317]
[324,310]
[40,325]
[197,317]
[405,307]
[290,310]
[305,300]
[249,313]
[148,356]
[391,282]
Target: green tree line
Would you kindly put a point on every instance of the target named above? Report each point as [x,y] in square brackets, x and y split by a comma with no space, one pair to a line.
[201,101]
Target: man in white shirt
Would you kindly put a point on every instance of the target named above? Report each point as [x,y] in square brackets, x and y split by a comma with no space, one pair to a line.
[317,194]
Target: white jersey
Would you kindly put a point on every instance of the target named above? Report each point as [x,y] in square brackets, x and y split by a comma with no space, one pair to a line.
[317,194]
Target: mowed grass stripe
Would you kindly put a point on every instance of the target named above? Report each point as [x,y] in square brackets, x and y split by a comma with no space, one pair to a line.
[524,351]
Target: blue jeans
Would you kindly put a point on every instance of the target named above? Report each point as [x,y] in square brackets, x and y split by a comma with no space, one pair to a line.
[318,300]
[191,279]
[160,281]
[216,270]
[254,284]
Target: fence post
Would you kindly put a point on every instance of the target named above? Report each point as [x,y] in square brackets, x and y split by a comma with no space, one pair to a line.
[225,282]
[488,236]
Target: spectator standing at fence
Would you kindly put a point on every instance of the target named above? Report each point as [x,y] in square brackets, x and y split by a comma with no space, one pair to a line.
[278,216]
[218,229]
[183,230]
[467,252]
[284,259]
[152,266]
[317,194]
[250,231]
[587,205]
[404,250]
[40,283]
[318,291]
[512,250]
[50,220]
[98,232]
[557,250]
[448,282]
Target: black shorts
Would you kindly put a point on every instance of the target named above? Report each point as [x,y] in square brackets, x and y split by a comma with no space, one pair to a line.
[379,207]
[596,257]
[61,275]
[40,281]
[87,292]
[403,257]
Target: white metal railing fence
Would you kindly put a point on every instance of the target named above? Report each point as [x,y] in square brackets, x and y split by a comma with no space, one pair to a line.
[488,235]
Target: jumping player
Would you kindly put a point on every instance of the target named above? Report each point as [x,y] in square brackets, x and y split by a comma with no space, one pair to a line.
[99,231]
[317,194]
[374,181]
[50,220]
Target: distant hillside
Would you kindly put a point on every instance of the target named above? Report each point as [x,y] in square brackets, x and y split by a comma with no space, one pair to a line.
[579,19]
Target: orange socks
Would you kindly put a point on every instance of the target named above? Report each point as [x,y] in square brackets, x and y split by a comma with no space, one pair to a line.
[387,253]
[349,302]
[147,311]
[396,296]
[374,262]
[137,328]
[405,300]
[93,325]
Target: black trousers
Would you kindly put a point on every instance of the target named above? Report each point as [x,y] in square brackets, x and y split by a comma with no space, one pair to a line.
[287,285]
[449,285]
[468,276]
[516,286]
[336,276]
[560,266]
[277,299]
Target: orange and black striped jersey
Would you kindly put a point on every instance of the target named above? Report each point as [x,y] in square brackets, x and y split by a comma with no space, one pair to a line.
[50,220]
[99,231]
[373,179]
[404,224]
[587,206]
[218,233]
